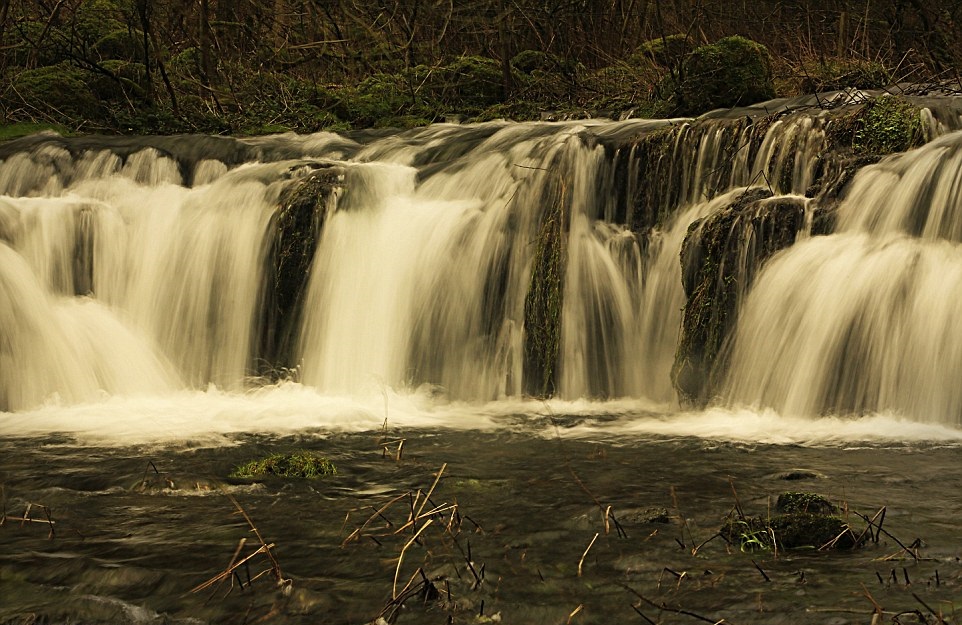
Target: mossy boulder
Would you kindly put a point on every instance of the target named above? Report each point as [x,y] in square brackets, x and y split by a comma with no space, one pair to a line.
[296,227]
[545,298]
[62,88]
[734,71]
[297,464]
[468,83]
[801,521]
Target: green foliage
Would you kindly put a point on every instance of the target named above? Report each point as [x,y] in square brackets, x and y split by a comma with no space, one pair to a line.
[734,71]
[888,125]
[837,74]
[298,464]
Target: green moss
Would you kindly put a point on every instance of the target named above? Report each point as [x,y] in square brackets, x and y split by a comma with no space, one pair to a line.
[298,464]
[734,71]
[809,503]
[13,131]
[62,88]
[888,125]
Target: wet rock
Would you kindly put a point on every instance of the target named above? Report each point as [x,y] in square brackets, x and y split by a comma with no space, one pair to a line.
[296,229]
[543,303]
[720,258]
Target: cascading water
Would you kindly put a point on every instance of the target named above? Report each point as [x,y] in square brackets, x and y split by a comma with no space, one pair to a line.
[863,321]
[482,262]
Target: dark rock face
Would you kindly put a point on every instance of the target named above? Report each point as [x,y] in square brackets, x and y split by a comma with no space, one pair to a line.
[720,258]
[544,302]
[296,228]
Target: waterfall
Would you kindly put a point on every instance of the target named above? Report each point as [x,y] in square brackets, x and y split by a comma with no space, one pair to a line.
[476,263]
[865,320]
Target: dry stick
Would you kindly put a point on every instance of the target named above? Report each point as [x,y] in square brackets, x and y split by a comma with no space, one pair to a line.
[275,565]
[926,606]
[585,554]
[738,505]
[664,606]
[897,541]
[875,604]
[378,513]
[871,525]
[642,615]
[433,486]
[695,550]
[575,612]
[760,570]
[400,559]
[229,571]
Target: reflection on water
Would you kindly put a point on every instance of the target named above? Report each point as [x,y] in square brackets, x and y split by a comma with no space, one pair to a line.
[140,519]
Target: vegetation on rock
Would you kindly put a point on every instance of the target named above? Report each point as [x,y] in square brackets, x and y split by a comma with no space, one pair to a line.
[801,521]
[297,464]
[734,71]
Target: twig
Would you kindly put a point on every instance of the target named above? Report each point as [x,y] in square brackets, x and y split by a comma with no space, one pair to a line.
[585,554]
[664,606]
[926,606]
[400,559]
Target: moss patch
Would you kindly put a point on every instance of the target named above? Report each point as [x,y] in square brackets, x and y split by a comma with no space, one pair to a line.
[888,125]
[297,464]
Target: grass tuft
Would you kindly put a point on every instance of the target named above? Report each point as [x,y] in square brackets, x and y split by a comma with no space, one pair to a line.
[298,464]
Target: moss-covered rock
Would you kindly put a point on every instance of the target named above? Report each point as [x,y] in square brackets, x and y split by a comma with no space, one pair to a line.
[62,88]
[667,51]
[734,71]
[801,521]
[297,464]
[888,125]
[720,257]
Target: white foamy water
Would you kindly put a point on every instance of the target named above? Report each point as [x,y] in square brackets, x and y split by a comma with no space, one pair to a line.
[137,288]
[218,418]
